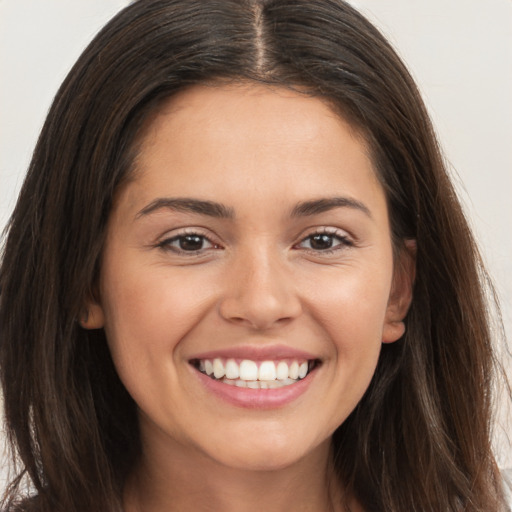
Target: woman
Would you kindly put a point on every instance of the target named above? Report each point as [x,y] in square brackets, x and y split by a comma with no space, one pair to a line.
[238,278]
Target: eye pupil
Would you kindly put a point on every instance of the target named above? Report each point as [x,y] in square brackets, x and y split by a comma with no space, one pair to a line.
[320,242]
[191,242]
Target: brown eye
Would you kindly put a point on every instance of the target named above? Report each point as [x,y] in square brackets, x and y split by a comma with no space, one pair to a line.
[189,243]
[321,242]
[325,242]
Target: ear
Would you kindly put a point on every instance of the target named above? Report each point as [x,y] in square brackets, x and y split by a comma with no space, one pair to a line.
[92,316]
[400,297]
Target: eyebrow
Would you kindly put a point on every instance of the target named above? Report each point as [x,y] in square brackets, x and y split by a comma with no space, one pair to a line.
[209,208]
[317,206]
[218,210]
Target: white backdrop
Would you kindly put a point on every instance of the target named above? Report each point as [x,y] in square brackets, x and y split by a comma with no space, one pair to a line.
[460,52]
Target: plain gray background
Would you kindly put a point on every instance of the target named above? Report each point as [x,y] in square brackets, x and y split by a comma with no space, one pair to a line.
[459,51]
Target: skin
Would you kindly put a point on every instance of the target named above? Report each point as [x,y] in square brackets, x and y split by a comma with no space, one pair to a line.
[257,281]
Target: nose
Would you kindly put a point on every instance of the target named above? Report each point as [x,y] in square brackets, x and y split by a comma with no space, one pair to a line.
[260,292]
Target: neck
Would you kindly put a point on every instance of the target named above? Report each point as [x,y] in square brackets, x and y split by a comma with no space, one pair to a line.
[177,478]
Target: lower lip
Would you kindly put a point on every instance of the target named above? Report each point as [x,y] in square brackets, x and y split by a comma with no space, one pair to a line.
[256,398]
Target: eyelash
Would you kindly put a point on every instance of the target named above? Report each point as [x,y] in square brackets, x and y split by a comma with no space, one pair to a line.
[343,240]
[333,234]
[165,245]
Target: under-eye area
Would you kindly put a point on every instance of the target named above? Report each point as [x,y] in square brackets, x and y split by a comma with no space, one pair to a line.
[247,373]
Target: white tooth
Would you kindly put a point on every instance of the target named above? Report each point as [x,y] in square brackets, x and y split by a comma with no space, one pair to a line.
[218,368]
[264,385]
[228,382]
[208,367]
[248,370]
[294,370]
[282,370]
[201,365]
[241,383]
[232,370]
[280,383]
[303,370]
[267,371]
[253,384]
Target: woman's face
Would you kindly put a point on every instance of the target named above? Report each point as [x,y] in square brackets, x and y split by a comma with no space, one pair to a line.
[254,243]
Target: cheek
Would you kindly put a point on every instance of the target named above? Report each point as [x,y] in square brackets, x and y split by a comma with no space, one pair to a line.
[147,315]
[351,305]
[356,345]
[148,312]
[351,310]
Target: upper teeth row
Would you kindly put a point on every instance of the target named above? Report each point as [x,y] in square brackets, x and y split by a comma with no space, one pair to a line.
[250,371]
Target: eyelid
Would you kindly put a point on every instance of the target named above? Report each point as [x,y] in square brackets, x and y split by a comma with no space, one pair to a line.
[342,235]
[325,230]
[164,241]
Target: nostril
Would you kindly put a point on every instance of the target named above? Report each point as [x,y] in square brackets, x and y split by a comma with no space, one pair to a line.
[260,311]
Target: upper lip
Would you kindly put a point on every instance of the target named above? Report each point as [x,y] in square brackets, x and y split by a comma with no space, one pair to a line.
[256,353]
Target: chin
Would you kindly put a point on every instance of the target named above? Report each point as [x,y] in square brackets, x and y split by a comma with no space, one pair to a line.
[269,456]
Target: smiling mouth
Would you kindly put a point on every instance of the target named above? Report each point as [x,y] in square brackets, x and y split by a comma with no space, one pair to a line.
[247,373]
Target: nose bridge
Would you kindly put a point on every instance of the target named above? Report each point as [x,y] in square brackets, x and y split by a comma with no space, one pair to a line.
[260,290]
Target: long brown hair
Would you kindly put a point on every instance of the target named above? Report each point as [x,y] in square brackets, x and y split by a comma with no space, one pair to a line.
[419,440]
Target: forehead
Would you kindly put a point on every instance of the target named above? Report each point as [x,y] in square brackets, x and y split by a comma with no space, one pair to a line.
[200,105]
[208,140]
